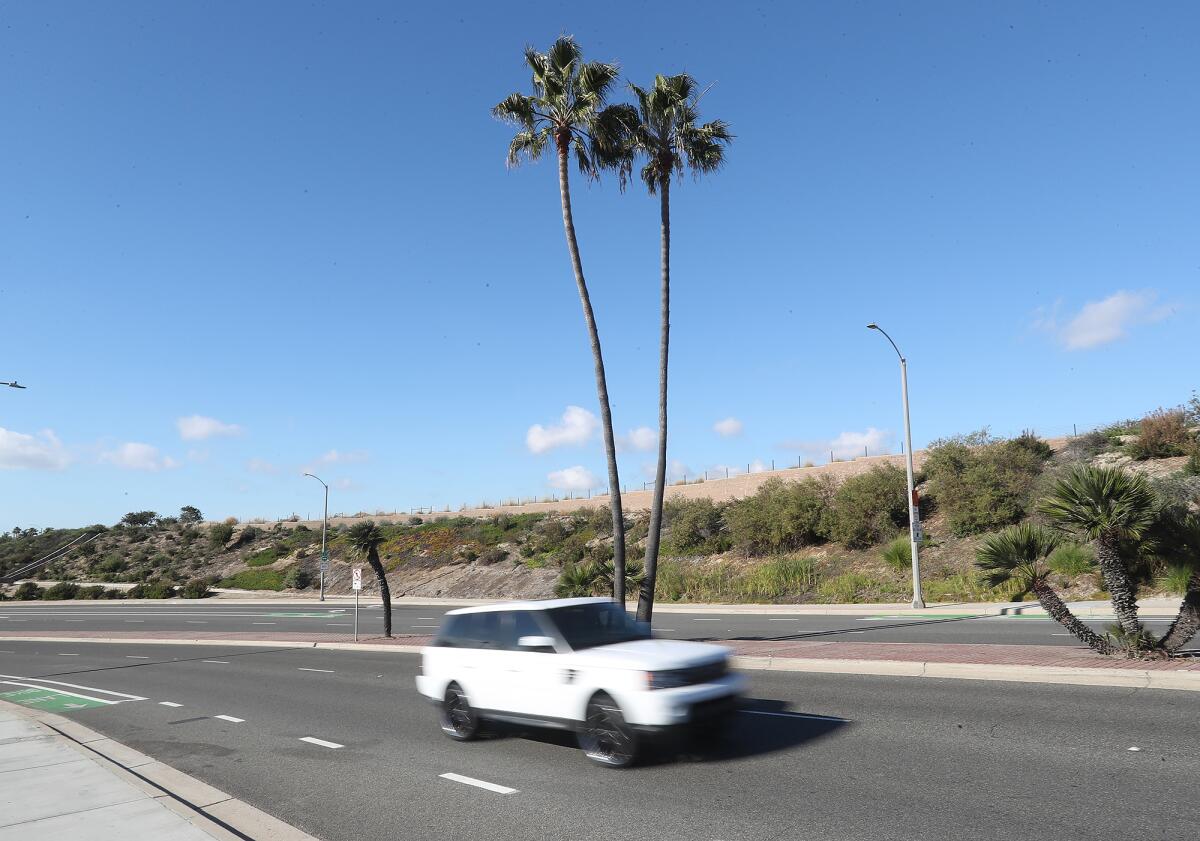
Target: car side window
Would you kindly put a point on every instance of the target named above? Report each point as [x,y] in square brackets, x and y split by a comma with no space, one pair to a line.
[515,624]
[451,633]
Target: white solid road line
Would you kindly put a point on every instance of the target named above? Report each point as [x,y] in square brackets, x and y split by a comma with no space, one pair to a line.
[302,669]
[137,656]
[230,718]
[195,622]
[312,740]
[337,624]
[426,618]
[423,626]
[262,623]
[169,704]
[62,654]
[222,662]
[78,686]
[471,781]
[59,691]
[697,619]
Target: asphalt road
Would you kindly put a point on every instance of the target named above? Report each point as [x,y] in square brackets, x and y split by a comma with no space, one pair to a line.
[409,618]
[838,757]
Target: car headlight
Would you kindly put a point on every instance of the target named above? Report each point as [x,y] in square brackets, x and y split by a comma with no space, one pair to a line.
[674,678]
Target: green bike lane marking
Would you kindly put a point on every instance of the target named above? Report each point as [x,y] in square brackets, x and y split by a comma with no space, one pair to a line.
[48,700]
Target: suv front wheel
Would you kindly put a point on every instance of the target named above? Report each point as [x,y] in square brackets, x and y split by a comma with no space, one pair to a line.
[605,736]
[459,721]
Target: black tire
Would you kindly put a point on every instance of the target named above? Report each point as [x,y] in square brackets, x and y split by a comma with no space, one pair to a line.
[604,735]
[458,720]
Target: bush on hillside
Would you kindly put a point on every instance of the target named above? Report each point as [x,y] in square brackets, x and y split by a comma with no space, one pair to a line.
[982,483]
[254,579]
[61,591]
[898,553]
[28,592]
[782,516]
[151,590]
[219,534]
[297,578]
[692,527]
[1071,559]
[1161,434]
[1088,445]
[871,507]
[90,593]
[197,588]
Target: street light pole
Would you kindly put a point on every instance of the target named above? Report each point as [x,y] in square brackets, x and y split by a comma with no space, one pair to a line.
[324,524]
[914,514]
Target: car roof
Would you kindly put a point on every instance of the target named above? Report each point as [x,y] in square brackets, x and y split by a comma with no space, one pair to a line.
[532,604]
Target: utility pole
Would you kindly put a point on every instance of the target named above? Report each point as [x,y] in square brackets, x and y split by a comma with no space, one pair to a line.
[914,514]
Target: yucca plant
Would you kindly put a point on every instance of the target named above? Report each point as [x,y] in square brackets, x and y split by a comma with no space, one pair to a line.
[366,538]
[665,131]
[1108,506]
[568,111]
[1019,554]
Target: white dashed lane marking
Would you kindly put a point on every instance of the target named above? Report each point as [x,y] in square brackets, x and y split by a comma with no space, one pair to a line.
[221,662]
[230,718]
[302,669]
[312,740]
[471,781]
[137,656]
[169,704]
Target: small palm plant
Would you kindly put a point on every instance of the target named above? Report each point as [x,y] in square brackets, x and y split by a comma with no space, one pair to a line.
[1019,554]
[1108,506]
[366,538]
[568,110]
[665,130]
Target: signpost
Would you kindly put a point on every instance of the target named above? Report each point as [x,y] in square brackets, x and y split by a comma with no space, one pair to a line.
[356,583]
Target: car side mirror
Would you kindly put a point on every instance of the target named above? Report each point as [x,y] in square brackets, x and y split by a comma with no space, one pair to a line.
[536,643]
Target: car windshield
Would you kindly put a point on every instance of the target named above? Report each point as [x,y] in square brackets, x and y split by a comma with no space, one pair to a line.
[597,623]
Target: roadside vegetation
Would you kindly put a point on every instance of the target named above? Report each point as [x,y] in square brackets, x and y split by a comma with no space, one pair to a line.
[815,540]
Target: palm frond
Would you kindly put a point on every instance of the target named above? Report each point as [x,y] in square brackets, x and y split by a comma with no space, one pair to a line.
[365,537]
[527,144]
[1018,553]
[564,53]
[593,81]
[1093,500]
[516,109]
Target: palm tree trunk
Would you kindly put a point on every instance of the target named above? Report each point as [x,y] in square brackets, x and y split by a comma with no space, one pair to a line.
[610,448]
[1187,623]
[645,609]
[1116,581]
[1061,614]
[384,591]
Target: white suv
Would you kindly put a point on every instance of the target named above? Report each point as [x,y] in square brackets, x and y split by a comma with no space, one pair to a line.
[577,664]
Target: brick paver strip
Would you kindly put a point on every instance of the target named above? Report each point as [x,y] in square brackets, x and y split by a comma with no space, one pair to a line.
[1053,656]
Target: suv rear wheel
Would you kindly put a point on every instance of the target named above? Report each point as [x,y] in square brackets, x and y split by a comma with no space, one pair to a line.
[459,721]
[605,736]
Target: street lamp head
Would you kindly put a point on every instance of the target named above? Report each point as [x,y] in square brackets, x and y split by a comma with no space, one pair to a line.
[872,326]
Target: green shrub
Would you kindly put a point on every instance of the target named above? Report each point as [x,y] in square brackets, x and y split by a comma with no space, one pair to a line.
[254,579]
[113,593]
[27,592]
[870,507]
[846,587]
[693,527]
[1192,466]
[197,588]
[151,590]
[1089,445]
[1071,559]
[263,557]
[297,578]
[1174,579]
[1161,434]
[219,534]
[60,591]
[981,483]
[967,587]
[898,553]
[781,516]
[90,593]
[777,580]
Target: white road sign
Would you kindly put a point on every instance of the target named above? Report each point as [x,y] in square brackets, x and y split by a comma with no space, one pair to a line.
[356,580]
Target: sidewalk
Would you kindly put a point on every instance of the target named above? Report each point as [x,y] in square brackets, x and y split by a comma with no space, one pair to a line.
[59,779]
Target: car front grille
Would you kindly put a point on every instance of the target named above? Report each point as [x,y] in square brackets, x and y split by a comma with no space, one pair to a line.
[692,675]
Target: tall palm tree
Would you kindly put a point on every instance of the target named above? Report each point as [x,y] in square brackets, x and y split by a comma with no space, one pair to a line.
[567,109]
[665,131]
[1186,545]
[1019,554]
[365,538]
[1106,505]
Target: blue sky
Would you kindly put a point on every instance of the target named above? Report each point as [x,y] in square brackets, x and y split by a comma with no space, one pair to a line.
[242,240]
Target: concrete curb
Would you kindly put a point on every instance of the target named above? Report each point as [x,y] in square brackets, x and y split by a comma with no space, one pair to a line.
[1065,675]
[208,809]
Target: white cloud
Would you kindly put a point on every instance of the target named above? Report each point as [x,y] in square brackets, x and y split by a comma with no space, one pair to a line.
[847,445]
[136,456]
[339,457]
[577,478]
[32,452]
[577,427]
[728,428]
[759,466]
[258,465]
[199,428]
[638,440]
[1101,322]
